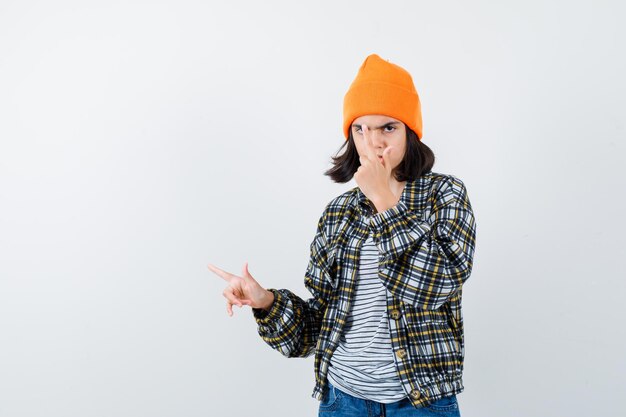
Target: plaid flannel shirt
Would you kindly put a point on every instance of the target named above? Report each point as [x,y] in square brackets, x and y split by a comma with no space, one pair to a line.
[426,248]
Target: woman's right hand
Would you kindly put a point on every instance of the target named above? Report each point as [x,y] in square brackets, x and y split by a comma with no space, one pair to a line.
[244,290]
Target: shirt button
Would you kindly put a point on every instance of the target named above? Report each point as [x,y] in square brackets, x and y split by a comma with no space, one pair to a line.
[415,394]
[395,314]
[401,353]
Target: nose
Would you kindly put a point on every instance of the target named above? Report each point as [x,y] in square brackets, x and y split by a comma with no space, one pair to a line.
[378,139]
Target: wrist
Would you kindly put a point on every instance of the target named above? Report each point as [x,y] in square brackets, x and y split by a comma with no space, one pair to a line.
[385,202]
[267,301]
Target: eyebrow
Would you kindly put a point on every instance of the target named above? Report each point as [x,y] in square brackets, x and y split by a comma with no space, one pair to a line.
[378,127]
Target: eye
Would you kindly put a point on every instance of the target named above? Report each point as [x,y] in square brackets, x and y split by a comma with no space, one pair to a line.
[357,129]
[389,128]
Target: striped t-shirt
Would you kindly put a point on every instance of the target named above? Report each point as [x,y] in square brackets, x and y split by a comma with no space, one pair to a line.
[363,363]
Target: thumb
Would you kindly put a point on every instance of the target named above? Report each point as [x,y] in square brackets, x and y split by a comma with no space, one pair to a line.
[386,156]
[245,272]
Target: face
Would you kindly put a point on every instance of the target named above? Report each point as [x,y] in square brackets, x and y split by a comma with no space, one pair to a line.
[385,132]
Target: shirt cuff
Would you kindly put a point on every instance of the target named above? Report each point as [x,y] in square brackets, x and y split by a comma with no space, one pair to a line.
[380,221]
[275,311]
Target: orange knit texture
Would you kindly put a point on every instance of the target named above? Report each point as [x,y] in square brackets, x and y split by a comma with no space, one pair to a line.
[381,87]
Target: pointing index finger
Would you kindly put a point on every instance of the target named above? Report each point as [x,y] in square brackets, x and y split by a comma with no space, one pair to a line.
[226,275]
[369,146]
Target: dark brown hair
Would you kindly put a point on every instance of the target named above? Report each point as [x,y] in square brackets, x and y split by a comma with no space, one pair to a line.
[418,160]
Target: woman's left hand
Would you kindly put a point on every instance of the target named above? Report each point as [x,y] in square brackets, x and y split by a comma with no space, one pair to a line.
[374,175]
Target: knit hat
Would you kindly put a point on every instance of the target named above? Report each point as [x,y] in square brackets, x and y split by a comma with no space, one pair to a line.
[381,87]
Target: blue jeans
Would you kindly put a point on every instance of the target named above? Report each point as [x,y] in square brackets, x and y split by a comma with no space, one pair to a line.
[337,403]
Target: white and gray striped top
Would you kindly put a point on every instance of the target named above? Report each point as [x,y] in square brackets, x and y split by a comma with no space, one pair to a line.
[363,362]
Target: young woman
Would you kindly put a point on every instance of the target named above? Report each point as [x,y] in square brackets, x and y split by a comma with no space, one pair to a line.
[386,270]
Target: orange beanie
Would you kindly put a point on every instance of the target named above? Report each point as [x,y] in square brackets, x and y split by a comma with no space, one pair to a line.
[384,88]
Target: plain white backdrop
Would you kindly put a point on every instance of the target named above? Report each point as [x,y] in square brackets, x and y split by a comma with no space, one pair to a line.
[141,140]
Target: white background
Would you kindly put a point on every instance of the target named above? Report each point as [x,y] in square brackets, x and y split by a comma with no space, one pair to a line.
[142,140]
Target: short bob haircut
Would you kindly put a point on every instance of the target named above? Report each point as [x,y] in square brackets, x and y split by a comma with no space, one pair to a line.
[418,160]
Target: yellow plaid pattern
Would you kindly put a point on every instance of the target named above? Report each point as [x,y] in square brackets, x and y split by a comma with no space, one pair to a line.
[426,245]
